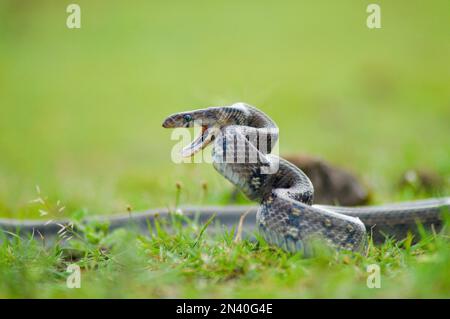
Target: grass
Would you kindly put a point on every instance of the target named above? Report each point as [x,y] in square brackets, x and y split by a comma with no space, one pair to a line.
[185,261]
[81,113]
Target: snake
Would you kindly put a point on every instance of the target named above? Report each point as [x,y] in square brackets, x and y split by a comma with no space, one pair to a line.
[243,139]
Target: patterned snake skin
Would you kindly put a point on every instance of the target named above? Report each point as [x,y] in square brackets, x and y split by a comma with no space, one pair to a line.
[243,138]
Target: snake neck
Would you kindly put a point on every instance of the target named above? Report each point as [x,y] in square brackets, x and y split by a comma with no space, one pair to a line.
[259,175]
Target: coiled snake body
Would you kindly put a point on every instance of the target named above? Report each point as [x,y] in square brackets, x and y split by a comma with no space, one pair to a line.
[243,138]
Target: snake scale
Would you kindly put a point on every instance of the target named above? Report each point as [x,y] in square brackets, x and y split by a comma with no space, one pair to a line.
[243,137]
[242,140]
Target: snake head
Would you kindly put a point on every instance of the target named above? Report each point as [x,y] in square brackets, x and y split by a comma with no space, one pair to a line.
[201,118]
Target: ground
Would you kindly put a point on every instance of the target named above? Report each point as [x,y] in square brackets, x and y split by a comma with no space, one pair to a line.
[190,263]
[81,114]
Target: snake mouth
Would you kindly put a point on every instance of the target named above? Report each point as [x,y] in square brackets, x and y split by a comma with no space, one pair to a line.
[205,137]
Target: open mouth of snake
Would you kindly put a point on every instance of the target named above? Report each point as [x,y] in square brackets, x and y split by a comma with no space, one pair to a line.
[199,143]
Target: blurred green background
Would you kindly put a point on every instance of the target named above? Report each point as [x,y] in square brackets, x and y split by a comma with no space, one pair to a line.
[81,109]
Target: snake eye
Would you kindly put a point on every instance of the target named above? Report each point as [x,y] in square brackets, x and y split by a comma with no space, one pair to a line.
[187,117]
